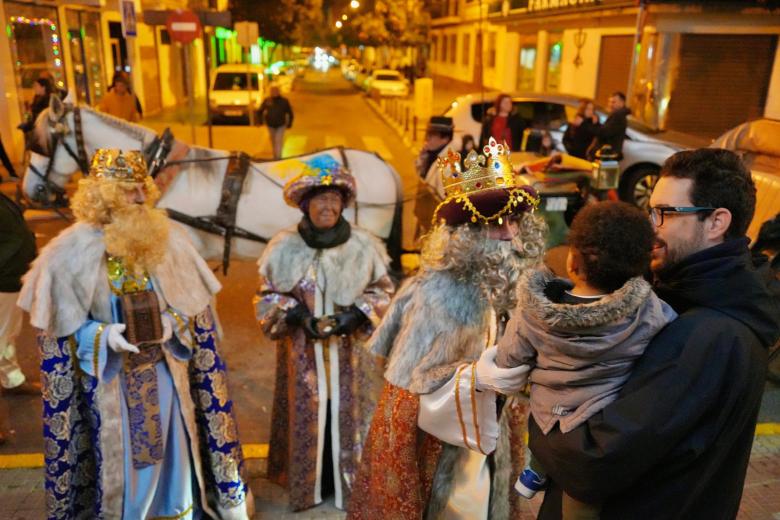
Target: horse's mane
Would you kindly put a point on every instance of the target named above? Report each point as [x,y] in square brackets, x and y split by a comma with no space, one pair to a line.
[136,131]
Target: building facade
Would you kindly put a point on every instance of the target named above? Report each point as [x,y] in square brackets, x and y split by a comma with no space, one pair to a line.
[701,67]
[80,44]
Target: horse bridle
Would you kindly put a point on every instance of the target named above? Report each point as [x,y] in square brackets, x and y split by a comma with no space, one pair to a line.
[58,130]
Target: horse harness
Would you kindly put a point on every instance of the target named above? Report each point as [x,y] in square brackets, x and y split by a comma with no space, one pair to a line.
[224,222]
[58,130]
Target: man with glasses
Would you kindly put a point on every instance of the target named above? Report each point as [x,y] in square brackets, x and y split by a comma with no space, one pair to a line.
[676,442]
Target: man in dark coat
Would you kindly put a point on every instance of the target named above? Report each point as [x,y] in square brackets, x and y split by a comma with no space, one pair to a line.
[277,114]
[17,250]
[613,131]
[676,442]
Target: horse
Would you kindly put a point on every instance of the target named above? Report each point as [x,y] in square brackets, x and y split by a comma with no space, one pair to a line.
[196,187]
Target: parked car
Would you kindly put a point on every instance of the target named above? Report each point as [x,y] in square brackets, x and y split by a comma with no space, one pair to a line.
[758,143]
[644,149]
[236,91]
[386,83]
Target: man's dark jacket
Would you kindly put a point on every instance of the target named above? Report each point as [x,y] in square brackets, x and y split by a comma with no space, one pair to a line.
[17,246]
[612,132]
[676,442]
[276,112]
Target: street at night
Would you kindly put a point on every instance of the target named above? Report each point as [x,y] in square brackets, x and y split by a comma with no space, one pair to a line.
[392,90]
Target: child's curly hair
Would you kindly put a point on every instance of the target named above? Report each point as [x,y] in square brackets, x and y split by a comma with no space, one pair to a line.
[615,241]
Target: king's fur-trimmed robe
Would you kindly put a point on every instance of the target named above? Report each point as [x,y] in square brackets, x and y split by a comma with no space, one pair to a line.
[87,424]
[435,323]
[310,375]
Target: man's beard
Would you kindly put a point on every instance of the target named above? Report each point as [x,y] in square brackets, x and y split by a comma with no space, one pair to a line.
[138,234]
[494,266]
[675,253]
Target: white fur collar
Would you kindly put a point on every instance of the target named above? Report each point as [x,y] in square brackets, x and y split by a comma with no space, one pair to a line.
[349,268]
[69,280]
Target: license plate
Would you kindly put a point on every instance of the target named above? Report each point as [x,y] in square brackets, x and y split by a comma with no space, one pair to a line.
[556,204]
[233,113]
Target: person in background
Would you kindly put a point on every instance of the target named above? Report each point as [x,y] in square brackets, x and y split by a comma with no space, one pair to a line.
[277,114]
[430,190]
[502,124]
[581,130]
[120,101]
[43,91]
[547,147]
[613,131]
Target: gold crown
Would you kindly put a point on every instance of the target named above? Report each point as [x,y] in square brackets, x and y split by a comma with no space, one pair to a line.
[117,165]
[482,172]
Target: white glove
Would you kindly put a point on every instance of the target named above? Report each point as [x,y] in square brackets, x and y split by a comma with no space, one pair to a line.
[167,325]
[503,380]
[116,341]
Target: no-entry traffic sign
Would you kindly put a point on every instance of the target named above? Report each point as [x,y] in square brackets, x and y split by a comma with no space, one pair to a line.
[183,26]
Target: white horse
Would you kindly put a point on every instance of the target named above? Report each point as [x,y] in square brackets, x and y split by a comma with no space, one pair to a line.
[196,189]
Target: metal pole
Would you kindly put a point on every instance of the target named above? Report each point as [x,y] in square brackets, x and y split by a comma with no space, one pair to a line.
[250,108]
[207,56]
[190,93]
[640,27]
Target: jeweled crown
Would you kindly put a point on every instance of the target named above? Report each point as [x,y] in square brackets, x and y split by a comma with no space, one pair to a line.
[480,172]
[117,165]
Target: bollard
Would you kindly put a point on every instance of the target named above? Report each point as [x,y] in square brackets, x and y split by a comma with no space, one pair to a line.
[414,129]
[406,118]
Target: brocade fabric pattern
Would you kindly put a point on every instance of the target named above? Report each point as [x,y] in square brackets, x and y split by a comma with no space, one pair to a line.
[399,462]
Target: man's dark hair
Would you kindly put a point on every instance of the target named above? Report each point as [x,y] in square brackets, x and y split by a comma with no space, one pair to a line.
[614,240]
[720,180]
[619,94]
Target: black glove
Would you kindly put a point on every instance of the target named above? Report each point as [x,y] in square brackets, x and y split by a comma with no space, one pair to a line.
[299,316]
[296,315]
[348,321]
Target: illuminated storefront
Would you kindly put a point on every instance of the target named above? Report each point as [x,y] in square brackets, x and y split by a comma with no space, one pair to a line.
[36,48]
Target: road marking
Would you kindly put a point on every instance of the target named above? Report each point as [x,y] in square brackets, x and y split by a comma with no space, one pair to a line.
[35,460]
[375,144]
[335,140]
[294,145]
[260,451]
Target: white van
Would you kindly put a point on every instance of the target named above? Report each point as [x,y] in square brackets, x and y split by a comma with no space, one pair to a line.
[235,90]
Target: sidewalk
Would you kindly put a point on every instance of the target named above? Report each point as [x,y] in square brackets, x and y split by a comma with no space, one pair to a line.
[22,496]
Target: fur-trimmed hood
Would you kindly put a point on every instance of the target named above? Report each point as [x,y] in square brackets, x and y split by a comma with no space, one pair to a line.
[69,280]
[349,268]
[534,299]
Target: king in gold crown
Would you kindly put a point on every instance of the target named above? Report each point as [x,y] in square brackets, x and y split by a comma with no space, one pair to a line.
[483,172]
[119,166]
[485,192]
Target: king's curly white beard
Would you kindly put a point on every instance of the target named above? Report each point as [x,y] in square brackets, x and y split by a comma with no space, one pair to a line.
[494,266]
[138,234]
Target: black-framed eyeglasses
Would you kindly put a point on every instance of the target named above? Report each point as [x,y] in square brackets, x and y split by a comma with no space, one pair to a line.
[657,213]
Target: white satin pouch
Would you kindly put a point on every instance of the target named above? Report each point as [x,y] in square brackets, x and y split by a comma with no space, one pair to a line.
[460,415]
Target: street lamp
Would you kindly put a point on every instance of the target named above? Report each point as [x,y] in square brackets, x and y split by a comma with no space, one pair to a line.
[354,4]
[344,17]
[338,24]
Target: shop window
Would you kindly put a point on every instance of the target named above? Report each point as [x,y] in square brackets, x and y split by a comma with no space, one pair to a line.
[526,68]
[466,49]
[86,55]
[36,48]
[491,50]
[454,48]
[444,45]
[554,63]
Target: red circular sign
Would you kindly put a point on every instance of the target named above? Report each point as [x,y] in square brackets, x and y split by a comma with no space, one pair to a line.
[183,26]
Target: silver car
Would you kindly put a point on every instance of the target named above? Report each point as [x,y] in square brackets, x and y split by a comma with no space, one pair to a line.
[644,149]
